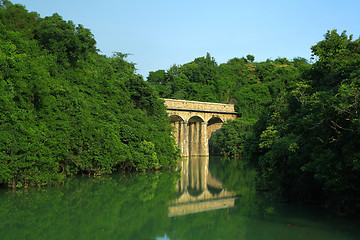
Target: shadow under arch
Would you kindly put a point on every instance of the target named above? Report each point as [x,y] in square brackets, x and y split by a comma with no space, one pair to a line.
[196,136]
[196,119]
[213,127]
[176,118]
[214,124]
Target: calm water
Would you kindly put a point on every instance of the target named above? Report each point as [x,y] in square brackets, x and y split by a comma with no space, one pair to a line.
[206,200]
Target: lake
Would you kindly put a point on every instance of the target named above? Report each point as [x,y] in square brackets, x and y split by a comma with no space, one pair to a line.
[207,199]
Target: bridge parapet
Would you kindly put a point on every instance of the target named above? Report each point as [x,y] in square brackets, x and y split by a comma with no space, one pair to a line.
[185,105]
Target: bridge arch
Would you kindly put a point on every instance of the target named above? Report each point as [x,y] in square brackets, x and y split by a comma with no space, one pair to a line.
[213,125]
[176,118]
[196,119]
[214,120]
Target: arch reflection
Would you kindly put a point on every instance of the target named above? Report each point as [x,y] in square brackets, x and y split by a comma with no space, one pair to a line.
[198,190]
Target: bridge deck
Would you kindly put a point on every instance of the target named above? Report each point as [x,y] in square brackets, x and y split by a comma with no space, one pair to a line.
[196,106]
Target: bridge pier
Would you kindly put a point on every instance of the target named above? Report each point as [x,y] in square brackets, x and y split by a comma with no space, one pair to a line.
[197,141]
[194,122]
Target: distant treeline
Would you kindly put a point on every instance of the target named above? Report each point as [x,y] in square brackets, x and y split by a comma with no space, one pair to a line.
[299,122]
[65,109]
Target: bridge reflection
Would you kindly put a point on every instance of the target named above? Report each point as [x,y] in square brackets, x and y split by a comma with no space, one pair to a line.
[198,190]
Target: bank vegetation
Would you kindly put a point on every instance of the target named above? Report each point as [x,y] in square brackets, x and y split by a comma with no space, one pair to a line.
[65,109]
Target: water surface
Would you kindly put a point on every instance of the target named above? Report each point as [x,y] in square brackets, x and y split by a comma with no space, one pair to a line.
[205,200]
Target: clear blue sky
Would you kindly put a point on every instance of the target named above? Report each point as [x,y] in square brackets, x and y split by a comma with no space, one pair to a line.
[160,33]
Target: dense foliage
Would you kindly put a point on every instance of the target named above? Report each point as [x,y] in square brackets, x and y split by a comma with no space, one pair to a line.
[307,144]
[66,109]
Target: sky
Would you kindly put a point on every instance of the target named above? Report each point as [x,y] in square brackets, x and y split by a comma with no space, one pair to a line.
[160,33]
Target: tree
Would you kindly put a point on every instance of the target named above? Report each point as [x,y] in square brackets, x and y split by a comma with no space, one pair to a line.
[250,58]
[67,42]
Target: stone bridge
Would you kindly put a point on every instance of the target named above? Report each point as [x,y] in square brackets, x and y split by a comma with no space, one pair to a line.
[194,123]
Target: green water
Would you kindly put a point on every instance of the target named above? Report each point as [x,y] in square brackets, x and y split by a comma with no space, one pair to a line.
[206,200]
